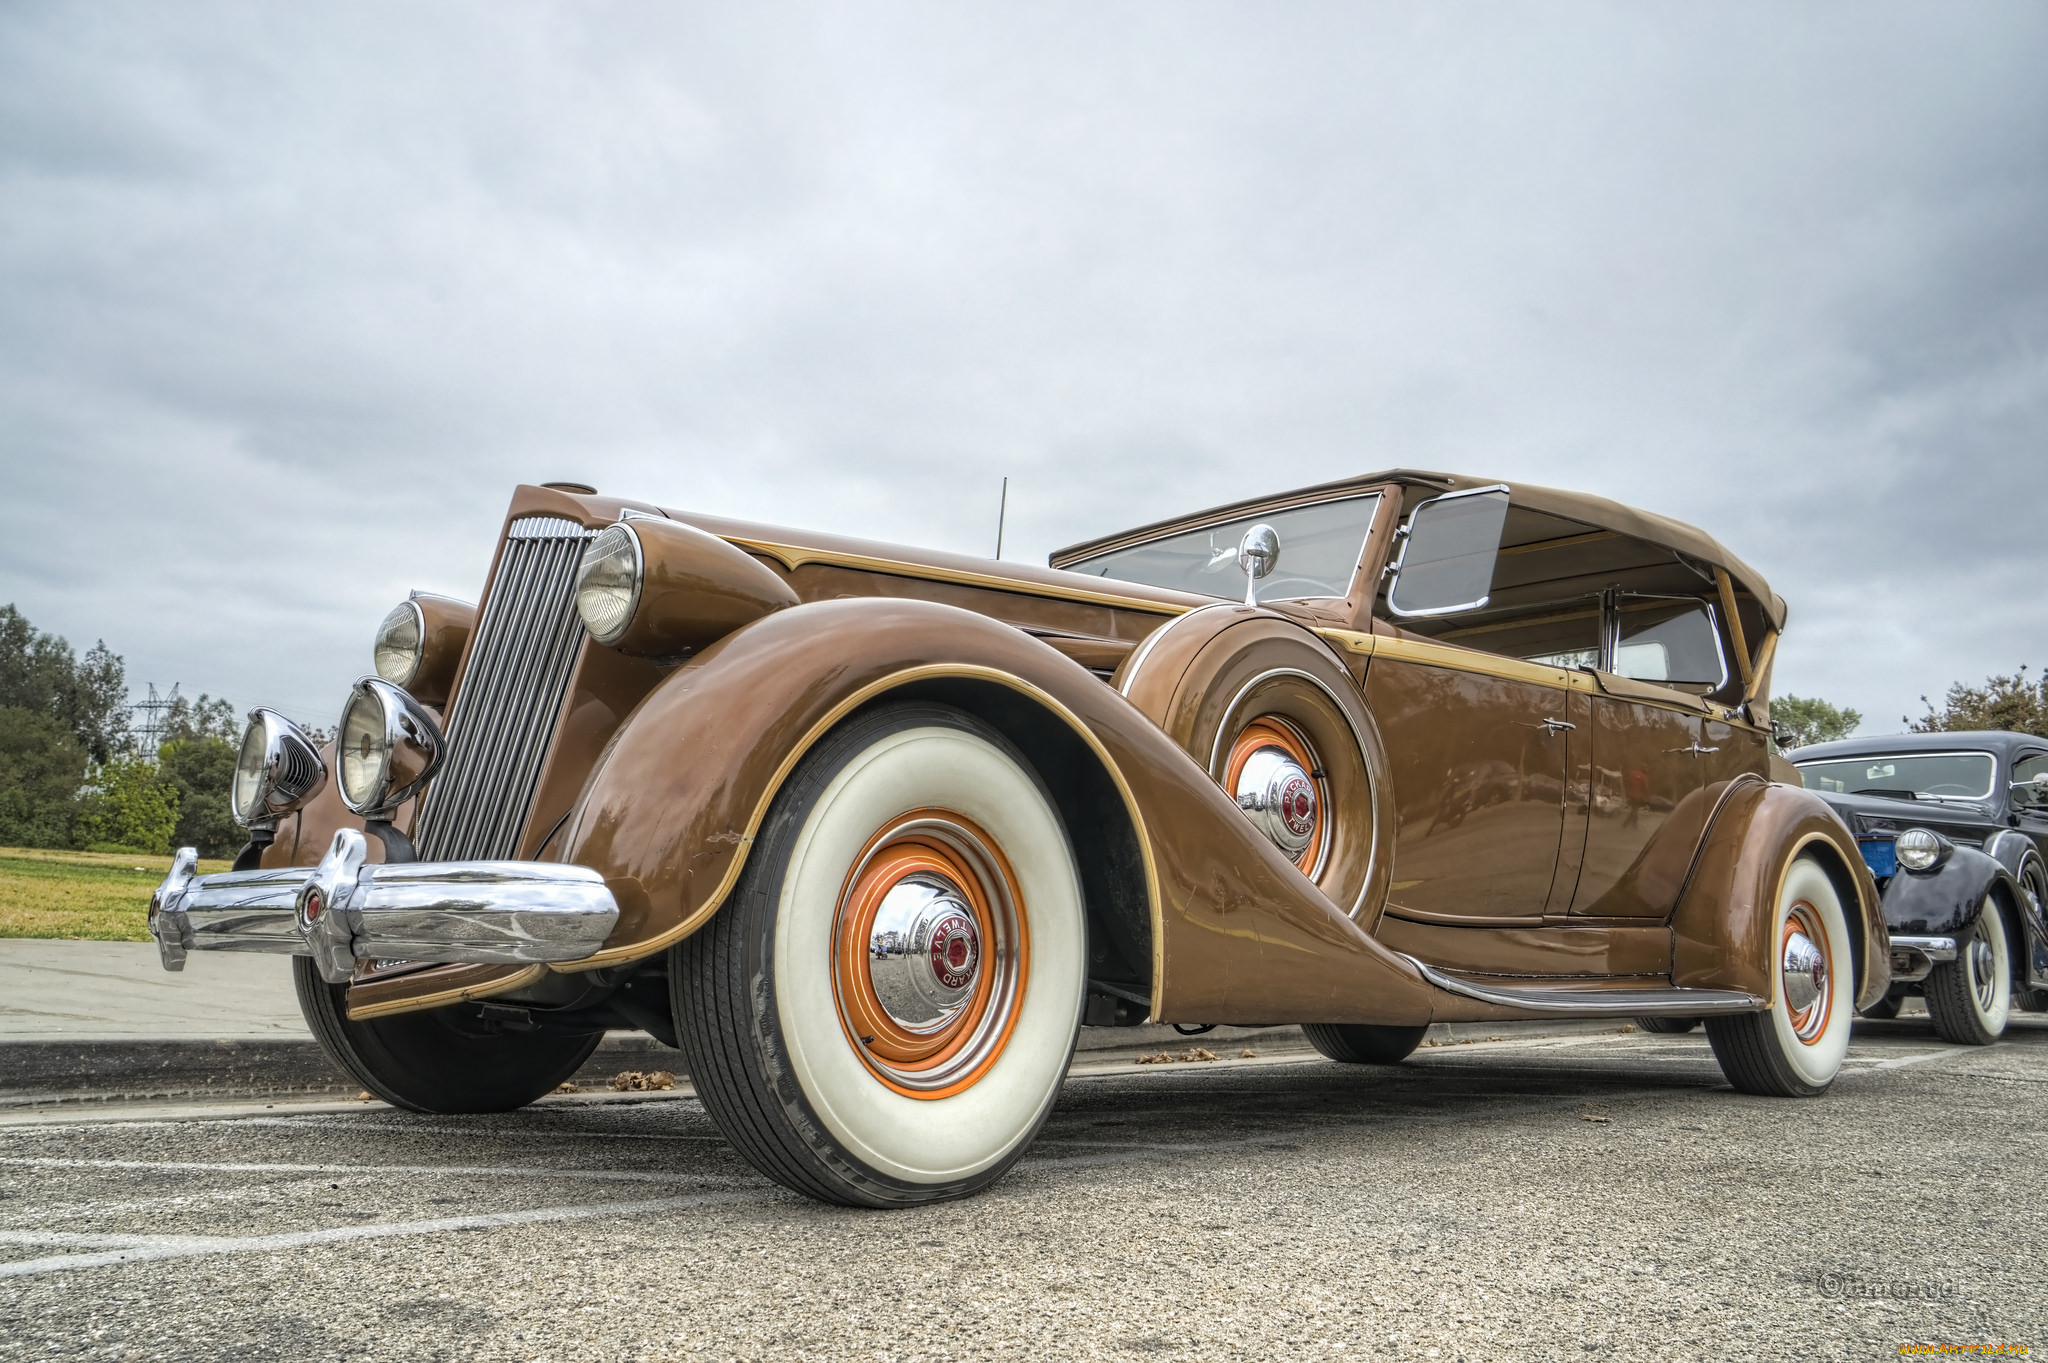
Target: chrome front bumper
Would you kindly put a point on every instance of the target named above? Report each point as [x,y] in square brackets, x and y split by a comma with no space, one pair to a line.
[1913,958]
[342,911]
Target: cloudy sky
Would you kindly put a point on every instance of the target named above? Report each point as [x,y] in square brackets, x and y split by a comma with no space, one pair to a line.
[291,296]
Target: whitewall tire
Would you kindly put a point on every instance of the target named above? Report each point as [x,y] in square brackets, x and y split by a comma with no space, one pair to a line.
[884,1009]
[1970,998]
[1795,1048]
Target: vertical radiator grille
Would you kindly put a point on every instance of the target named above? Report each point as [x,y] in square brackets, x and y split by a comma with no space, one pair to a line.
[509,696]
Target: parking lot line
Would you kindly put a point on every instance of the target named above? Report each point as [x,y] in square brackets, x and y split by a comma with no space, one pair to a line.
[145,1249]
[539,1171]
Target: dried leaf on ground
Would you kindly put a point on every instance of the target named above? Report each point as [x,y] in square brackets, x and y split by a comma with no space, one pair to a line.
[1246,1054]
[1198,1053]
[634,1081]
[363,1096]
[1160,1059]
[567,1086]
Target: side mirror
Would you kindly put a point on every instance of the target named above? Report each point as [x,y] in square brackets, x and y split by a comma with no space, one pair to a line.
[1258,553]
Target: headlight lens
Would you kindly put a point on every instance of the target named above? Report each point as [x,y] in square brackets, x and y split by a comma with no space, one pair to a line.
[388,746]
[608,583]
[364,750]
[1918,848]
[249,771]
[277,770]
[401,640]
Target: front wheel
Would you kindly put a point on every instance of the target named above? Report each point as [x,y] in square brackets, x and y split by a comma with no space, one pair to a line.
[443,1060]
[1970,998]
[1362,1044]
[1794,1049]
[883,1011]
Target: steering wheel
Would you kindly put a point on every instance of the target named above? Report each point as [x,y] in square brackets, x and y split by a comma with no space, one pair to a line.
[1950,788]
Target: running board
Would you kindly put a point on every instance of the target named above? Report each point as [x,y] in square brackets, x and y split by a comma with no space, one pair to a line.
[1693,1003]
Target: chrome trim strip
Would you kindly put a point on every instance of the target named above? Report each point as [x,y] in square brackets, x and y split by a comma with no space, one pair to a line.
[342,911]
[1597,1002]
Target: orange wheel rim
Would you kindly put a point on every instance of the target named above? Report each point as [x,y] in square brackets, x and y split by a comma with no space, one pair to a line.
[929,954]
[1806,974]
[1270,731]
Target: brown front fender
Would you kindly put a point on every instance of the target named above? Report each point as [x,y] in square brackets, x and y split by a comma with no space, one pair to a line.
[1236,932]
[1722,930]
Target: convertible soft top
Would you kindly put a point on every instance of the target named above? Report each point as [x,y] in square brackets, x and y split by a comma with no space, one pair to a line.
[1581,507]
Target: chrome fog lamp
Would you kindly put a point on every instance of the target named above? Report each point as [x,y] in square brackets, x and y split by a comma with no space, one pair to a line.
[387,747]
[278,769]
[608,583]
[1920,848]
[401,643]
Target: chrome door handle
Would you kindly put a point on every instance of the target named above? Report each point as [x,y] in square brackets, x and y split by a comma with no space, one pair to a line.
[1556,726]
[1696,750]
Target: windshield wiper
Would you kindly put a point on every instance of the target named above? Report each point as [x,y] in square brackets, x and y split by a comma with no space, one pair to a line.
[1888,794]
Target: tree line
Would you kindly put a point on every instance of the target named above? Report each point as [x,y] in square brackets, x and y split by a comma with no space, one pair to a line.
[2013,703]
[71,770]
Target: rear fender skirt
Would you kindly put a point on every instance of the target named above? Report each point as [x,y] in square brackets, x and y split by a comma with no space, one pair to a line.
[1237,933]
[1724,928]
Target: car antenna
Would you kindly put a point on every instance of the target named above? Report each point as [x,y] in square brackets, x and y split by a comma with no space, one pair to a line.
[1002,513]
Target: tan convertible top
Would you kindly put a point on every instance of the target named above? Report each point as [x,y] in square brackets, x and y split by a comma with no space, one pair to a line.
[1420,484]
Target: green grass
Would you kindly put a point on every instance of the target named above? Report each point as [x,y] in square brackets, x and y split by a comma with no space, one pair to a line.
[97,896]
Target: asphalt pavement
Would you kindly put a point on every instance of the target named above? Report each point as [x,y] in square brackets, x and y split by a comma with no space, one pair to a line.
[1569,1196]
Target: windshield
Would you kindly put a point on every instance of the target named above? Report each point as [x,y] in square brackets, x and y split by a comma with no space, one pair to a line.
[1319,550]
[1918,776]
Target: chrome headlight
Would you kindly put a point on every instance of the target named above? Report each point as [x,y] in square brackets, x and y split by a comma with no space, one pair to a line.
[608,583]
[278,770]
[1920,848]
[401,642]
[387,747]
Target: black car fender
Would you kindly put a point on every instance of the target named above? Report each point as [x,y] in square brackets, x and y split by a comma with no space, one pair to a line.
[2017,853]
[1945,899]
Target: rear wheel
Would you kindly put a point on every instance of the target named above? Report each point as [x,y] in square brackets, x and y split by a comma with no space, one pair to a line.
[1794,1048]
[883,1011]
[1970,998]
[1885,1008]
[1361,1044]
[443,1060]
[1667,1026]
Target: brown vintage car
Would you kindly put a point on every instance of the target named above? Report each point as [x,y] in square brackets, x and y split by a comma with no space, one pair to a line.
[869,832]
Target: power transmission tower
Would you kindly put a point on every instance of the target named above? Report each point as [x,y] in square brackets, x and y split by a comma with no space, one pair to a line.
[152,710]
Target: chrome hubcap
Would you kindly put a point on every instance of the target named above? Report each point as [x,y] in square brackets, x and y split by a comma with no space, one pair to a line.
[1805,971]
[1983,973]
[924,952]
[1280,798]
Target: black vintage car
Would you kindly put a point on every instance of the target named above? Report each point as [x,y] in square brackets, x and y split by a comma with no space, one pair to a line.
[1955,828]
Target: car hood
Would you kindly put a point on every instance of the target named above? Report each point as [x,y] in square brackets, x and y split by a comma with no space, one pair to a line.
[1958,821]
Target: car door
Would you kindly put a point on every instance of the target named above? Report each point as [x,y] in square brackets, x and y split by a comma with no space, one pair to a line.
[2029,795]
[1477,759]
[1659,760]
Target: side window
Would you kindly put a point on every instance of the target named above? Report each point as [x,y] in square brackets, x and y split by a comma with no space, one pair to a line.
[1667,639]
[1448,553]
[2030,782]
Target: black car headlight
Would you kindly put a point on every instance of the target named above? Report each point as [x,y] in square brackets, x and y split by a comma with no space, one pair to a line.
[278,769]
[387,747]
[1922,849]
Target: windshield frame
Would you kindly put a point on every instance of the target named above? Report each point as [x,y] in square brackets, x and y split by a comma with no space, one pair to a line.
[1990,795]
